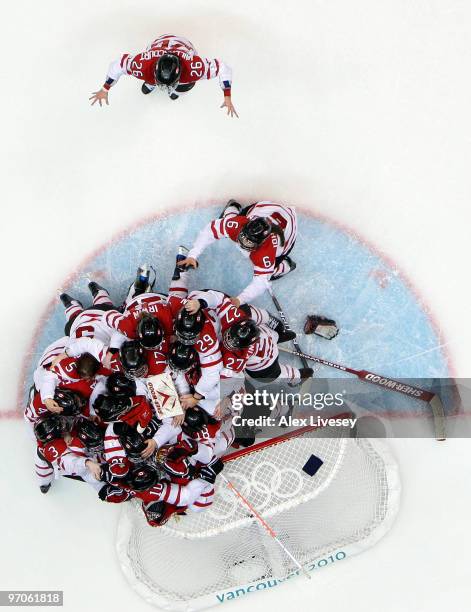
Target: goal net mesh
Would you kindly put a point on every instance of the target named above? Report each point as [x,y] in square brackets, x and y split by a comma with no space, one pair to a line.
[345,507]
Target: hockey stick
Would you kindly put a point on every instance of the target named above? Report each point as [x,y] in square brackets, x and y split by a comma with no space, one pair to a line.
[264,523]
[391,385]
[287,326]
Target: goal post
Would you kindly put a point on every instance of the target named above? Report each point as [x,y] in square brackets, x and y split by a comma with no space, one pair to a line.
[207,558]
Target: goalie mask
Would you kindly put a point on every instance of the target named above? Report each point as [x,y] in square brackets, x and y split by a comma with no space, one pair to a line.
[189,326]
[90,434]
[240,335]
[182,357]
[168,70]
[254,233]
[71,402]
[119,385]
[143,477]
[133,359]
[50,428]
[150,332]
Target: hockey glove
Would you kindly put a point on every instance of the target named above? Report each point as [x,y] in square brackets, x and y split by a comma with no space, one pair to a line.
[321,326]
[209,472]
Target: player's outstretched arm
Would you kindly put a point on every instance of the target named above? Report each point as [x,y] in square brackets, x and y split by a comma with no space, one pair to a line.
[258,285]
[212,231]
[115,71]
[99,96]
[231,111]
[225,81]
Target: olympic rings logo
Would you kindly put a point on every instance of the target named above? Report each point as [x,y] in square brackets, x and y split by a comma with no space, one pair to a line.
[267,484]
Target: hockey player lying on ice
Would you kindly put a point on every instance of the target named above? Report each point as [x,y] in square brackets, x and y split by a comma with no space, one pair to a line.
[172,63]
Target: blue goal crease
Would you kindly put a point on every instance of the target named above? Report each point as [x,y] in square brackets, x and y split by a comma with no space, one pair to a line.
[383,327]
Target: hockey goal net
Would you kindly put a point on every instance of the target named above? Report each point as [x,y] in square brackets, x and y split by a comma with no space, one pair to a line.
[199,560]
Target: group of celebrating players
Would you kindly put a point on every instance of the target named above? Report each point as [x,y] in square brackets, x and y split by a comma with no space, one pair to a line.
[92,413]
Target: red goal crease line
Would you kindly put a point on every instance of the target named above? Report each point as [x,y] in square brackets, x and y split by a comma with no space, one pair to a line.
[188,207]
[11,415]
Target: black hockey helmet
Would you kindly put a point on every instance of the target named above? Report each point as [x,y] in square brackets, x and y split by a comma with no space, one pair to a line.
[90,434]
[150,332]
[189,326]
[240,335]
[131,440]
[182,357]
[50,428]
[133,359]
[142,477]
[119,385]
[110,408]
[71,402]
[195,419]
[168,69]
[254,232]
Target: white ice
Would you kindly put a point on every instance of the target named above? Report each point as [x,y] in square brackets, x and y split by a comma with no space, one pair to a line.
[354,111]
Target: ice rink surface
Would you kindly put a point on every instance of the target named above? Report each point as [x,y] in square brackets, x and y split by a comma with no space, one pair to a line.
[357,113]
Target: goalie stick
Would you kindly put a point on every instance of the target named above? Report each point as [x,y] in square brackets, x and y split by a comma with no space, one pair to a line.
[265,525]
[389,384]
